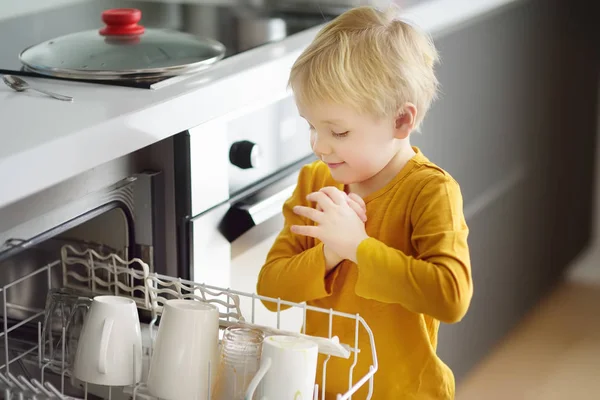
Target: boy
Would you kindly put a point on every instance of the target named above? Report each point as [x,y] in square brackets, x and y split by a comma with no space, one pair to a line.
[373,228]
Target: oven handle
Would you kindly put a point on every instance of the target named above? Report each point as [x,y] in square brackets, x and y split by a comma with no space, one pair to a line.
[246,214]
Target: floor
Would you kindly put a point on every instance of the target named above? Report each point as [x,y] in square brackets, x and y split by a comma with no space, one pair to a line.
[554,354]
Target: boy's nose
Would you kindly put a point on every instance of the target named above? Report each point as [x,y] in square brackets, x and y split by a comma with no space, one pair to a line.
[319,146]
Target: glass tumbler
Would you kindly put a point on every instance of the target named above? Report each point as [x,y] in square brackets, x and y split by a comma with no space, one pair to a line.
[64,314]
[239,361]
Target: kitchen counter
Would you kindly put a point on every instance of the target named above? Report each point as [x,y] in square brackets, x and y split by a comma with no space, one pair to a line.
[45,141]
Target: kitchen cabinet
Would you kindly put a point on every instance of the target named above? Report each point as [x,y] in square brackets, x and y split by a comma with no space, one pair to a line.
[516,125]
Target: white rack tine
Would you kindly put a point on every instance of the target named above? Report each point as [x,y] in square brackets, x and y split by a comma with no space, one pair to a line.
[6,381]
[324,383]
[92,273]
[351,373]
[54,391]
[278,312]
[304,318]
[43,370]
[40,340]
[41,387]
[15,380]
[228,298]
[6,352]
[370,394]
[27,384]
[328,356]
[63,370]
[116,277]
[152,333]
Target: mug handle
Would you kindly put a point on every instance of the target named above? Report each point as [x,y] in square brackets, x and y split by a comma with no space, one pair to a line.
[106,329]
[264,368]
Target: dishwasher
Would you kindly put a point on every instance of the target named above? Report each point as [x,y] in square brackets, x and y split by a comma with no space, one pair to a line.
[99,245]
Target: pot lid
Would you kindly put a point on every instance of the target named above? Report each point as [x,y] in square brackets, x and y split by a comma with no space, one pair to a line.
[123,49]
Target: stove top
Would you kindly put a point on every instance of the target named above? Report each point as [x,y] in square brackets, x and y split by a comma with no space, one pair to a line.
[238,28]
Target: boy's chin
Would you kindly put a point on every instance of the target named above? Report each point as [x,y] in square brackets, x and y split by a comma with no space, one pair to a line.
[348,178]
[344,178]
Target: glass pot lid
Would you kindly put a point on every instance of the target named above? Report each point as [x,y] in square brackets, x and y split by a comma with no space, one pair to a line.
[123,49]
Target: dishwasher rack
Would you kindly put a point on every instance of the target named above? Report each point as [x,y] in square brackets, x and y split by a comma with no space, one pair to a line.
[12,387]
[98,274]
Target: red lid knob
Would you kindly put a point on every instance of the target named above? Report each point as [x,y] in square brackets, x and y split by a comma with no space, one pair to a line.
[122,22]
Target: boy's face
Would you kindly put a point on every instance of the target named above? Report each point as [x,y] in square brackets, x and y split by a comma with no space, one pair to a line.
[355,146]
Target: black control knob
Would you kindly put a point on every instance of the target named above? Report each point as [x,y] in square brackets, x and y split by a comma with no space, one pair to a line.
[244,154]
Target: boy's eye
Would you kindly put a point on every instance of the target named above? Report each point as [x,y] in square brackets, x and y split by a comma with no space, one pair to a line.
[340,134]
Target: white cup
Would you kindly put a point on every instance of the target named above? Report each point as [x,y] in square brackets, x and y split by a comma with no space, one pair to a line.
[288,368]
[109,351]
[186,349]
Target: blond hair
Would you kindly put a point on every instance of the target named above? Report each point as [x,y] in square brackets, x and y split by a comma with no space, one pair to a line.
[370,61]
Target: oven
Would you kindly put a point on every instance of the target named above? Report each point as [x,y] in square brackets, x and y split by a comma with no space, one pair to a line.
[232,177]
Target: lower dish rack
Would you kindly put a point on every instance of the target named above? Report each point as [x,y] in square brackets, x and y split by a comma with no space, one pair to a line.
[99,274]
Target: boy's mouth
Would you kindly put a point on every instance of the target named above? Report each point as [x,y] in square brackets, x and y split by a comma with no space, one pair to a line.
[335,165]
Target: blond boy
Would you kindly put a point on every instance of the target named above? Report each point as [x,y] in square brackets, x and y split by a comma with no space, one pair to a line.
[373,227]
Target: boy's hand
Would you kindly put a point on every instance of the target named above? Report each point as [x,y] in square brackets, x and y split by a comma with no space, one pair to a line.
[354,201]
[340,227]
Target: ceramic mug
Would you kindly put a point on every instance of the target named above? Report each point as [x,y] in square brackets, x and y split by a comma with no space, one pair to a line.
[185,354]
[288,368]
[109,351]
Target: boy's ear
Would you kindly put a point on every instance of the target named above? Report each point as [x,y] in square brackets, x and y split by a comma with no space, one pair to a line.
[405,120]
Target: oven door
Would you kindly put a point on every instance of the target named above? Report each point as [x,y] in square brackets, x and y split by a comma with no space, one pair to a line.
[230,242]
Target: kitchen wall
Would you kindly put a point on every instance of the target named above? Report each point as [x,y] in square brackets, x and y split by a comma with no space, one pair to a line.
[15,8]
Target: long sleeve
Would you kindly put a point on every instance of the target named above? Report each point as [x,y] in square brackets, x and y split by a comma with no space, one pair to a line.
[295,266]
[437,282]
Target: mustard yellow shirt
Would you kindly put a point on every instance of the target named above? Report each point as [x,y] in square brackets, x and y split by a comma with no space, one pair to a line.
[413,272]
